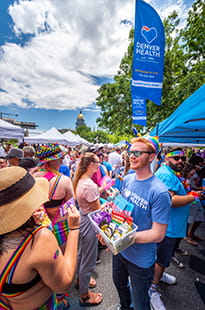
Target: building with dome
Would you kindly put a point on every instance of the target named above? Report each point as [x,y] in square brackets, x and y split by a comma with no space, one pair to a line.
[80,121]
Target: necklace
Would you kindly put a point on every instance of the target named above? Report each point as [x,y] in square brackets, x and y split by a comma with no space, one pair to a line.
[182,180]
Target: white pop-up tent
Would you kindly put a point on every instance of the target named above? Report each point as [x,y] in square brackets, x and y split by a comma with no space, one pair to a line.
[76,138]
[10,131]
[70,136]
[83,141]
[50,136]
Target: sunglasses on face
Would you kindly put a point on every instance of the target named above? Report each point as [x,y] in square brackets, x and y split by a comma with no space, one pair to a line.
[177,158]
[96,161]
[137,153]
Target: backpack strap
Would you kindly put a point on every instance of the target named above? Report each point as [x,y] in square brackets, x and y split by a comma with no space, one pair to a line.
[53,188]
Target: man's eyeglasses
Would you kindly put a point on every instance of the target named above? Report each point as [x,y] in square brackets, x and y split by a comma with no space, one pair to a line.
[177,158]
[138,153]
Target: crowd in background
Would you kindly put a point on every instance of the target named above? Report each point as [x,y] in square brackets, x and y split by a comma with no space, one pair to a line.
[78,172]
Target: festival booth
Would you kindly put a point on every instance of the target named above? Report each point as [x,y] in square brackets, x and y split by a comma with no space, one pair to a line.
[186,125]
[50,136]
[10,131]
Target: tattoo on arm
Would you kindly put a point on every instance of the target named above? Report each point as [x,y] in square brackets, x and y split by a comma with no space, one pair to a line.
[56,254]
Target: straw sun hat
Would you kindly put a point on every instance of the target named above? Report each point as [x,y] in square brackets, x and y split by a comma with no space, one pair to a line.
[20,196]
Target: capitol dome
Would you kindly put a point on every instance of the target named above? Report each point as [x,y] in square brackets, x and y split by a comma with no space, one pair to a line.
[80,115]
[80,120]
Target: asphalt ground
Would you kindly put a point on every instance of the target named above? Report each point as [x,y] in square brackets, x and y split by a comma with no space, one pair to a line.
[183,295]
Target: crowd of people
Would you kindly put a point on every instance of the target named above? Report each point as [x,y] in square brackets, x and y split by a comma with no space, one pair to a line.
[47,240]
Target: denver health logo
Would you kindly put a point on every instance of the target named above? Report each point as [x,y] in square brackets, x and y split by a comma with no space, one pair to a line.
[147,49]
[149,34]
[127,193]
[147,52]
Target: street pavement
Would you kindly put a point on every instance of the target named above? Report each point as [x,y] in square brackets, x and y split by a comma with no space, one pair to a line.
[180,296]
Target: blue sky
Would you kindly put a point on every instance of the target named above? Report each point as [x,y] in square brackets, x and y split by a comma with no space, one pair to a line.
[54,55]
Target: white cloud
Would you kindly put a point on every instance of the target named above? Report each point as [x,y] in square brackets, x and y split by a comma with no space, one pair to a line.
[73,40]
[165,8]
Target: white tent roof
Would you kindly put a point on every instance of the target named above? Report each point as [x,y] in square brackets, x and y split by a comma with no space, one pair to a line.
[83,141]
[76,138]
[70,136]
[10,131]
[52,136]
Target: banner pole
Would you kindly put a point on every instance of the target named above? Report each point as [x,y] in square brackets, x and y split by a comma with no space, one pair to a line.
[158,121]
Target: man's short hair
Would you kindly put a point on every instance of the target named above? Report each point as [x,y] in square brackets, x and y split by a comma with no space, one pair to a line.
[29,149]
[145,141]
[173,150]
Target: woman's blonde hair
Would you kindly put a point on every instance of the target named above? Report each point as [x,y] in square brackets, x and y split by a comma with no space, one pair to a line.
[82,167]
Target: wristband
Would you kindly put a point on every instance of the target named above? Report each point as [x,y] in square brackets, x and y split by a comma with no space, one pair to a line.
[196,195]
[75,228]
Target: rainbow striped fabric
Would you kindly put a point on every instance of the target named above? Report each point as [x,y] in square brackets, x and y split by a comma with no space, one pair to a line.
[154,141]
[175,153]
[61,230]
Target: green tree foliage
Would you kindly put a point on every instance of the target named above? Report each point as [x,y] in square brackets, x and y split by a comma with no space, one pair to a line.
[98,136]
[194,46]
[184,71]
[85,133]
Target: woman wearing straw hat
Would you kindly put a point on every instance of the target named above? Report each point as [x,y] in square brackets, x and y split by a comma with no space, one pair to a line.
[32,265]
[87,195]
[60,187]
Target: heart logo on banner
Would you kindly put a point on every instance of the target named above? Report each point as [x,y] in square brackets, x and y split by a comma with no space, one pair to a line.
[149,34]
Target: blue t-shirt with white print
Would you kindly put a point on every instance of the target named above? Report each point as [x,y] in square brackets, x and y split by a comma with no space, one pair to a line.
[152,203]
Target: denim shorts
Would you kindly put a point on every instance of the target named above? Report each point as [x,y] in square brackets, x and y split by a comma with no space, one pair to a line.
[165,250]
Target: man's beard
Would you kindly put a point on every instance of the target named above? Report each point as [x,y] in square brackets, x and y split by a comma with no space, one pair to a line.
[176,167]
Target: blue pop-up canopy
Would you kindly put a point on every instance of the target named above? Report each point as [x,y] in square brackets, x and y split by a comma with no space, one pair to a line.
[186,125]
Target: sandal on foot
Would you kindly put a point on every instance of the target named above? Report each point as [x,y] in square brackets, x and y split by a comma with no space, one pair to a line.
[92,284]
[92,299]
[190,241]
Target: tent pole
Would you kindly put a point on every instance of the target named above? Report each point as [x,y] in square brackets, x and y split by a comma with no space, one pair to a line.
[157,128]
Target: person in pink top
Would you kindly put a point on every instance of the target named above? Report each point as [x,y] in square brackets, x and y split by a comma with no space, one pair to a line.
[87,195]
[60,188]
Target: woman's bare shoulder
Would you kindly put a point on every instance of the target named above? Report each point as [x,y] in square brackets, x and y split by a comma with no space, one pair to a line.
[44,243]
[43,233]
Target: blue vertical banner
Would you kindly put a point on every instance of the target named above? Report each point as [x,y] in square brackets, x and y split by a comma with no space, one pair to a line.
[139,115]
[148,59]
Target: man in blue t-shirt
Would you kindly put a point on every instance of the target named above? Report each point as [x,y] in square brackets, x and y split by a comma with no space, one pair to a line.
[152,204]
[170,175]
